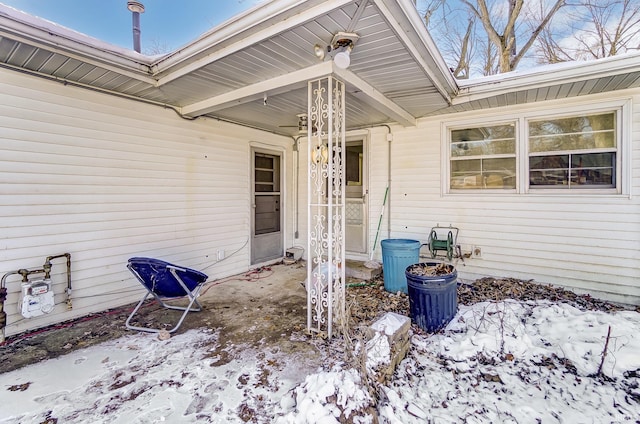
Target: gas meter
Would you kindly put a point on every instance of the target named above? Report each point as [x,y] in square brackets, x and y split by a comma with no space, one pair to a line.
[36,298]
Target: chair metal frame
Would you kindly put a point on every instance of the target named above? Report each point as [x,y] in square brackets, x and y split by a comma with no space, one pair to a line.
[191,294]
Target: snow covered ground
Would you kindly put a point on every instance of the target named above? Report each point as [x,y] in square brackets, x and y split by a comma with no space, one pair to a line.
[524,362]
[514,362]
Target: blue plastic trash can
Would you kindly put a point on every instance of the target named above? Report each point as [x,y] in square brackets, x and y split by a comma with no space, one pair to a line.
[433,299]
[397,255]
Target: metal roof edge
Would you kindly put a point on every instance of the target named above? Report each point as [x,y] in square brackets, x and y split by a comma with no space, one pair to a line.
[419,42]
[411,12]
[238,26]
[546,75]
[14,22]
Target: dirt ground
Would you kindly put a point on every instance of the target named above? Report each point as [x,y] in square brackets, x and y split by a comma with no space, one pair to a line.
[264,308]
[260,308]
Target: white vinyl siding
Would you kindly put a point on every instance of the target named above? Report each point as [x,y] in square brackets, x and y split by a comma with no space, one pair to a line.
[588,242]
[105,179]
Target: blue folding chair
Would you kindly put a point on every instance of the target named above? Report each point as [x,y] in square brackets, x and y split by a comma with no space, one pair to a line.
[166,281]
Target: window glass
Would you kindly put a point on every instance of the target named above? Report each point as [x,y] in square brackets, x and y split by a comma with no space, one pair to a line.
[587,144]
[266,174]
[483,157]
[590,169]
[578,132]
[495,140]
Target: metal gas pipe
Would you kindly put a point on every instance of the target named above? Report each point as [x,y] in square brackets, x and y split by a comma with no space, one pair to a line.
[47,269]
[33,292]
[3,297]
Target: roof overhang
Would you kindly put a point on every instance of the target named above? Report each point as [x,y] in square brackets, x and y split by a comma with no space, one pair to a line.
[549,82]
[397,74]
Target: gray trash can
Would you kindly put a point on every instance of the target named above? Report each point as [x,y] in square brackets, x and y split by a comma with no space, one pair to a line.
[433,299]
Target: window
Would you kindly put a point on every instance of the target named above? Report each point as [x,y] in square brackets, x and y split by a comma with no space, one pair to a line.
[573,152]
[483,157]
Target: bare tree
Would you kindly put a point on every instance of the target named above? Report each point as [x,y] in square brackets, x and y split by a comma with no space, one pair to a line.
[549,50]
[491,47]
[549,31]
[614,28]
[505,40]
[156,47]
[432,7]
[464,55]
[593,29]
[456,43]
[490,57]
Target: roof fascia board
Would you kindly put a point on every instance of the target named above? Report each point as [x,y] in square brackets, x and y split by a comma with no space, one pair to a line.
[42,34]
[142,76]
[273,86]
[375,98]
[405,9]
[546,76]
[239,28]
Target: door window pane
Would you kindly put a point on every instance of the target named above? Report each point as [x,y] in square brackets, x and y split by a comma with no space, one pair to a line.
[267,177]
[267,218]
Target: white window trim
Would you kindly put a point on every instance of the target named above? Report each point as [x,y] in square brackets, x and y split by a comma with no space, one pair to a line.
[624,119]
[446,149]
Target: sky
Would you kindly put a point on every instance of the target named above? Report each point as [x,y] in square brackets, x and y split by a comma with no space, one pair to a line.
[165,24]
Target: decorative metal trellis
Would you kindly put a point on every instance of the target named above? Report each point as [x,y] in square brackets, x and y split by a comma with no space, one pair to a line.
[326,206]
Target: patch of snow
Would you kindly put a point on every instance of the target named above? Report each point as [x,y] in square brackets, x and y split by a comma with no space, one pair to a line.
[519,362]
[389,323]
[378,352]
[509,361]
[326,397]
[140,379]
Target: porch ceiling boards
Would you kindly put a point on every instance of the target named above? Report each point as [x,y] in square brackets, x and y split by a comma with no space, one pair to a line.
[396,73]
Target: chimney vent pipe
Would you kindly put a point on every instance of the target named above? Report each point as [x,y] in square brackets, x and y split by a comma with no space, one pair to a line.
[136,8]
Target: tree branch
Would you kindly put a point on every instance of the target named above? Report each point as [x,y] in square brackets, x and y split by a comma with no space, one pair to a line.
[536,32]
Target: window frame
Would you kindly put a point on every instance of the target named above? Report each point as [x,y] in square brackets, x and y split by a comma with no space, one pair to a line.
[571,113]
[621,107]
[477,124]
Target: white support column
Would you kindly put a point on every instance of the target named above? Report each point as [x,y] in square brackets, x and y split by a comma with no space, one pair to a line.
[326,206]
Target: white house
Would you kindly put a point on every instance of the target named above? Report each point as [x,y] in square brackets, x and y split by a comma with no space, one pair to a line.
[195,157]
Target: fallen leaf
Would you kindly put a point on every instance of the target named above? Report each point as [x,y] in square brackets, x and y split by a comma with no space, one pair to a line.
[19,387]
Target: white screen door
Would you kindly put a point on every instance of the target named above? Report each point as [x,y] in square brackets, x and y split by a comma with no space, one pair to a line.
[356,204]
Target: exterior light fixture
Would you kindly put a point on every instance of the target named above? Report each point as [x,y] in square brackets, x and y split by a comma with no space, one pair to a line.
[342,58]
[319,51]
[320,154]
[339,49]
